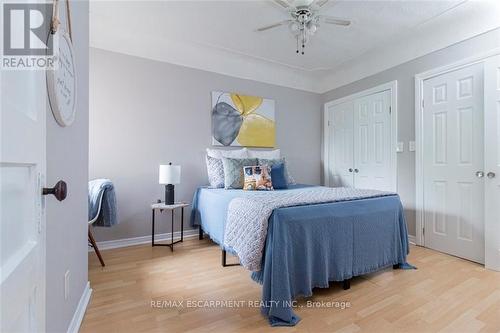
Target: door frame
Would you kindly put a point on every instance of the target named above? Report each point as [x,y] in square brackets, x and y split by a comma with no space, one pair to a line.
[419,146]
[392,86]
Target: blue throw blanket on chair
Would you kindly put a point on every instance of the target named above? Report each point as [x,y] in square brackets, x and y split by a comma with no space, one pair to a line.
[102,203]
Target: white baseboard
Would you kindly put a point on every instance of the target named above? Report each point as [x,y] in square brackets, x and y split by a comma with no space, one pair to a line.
[412,239]
[117,243]
[77,319]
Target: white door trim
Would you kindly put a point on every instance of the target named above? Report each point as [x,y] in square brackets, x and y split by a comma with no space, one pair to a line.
[392,86]
[419,175]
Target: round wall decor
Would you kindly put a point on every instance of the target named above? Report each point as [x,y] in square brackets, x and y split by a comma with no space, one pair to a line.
[61,81]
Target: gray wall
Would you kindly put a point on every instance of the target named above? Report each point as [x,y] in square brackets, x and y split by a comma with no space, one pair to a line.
[405,75]
[144,113]
[67,159]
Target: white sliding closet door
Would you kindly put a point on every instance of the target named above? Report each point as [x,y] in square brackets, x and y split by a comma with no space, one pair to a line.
[341,145]
[372,141]
[492,161]
[453,162]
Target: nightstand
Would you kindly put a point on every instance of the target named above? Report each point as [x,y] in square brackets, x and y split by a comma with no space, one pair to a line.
[161,207]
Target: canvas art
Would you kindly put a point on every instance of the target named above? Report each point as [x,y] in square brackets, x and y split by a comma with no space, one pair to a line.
[240,120]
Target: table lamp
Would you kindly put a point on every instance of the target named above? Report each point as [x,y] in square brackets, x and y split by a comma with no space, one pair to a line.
[170,175]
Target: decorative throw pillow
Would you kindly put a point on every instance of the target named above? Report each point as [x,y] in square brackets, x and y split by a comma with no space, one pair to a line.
[267,154]
[233,171]
[257,178]
[215,170]
[271,162]
[278,176]
[230,153]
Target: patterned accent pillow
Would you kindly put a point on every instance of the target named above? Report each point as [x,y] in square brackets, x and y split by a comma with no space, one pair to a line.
[258,178]
[215,170]
[272,162]
[233,171]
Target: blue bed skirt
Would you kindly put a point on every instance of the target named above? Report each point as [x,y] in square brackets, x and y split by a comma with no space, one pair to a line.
[309,246]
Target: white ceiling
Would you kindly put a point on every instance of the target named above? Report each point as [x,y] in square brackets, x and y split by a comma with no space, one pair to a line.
[220,35]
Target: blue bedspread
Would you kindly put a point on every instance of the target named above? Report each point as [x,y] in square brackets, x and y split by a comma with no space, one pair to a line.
[308,246]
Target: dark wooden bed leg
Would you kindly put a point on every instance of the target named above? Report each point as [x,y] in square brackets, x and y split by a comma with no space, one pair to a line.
[395,266]
[223,258]
[346,284]
[200,233]
[224,263]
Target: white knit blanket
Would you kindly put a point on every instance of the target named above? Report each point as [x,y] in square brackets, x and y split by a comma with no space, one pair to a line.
[247,217]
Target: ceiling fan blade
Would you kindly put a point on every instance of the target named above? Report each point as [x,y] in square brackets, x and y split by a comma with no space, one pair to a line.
[319,3]
[282,3]
[335,20]
[271,26]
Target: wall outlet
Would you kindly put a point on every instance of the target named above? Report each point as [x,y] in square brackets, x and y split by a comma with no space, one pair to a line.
[411,146]
[66,285]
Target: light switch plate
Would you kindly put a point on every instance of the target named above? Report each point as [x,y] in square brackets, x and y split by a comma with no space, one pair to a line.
[401,147]
[411,146]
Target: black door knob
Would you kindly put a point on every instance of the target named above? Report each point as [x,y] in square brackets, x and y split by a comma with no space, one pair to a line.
[59,190]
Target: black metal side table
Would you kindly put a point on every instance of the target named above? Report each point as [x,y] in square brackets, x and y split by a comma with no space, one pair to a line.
[161,207]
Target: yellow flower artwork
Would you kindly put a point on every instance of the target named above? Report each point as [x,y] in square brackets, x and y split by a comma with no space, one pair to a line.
[241,120]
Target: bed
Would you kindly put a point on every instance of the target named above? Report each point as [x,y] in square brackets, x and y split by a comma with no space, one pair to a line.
[308,246]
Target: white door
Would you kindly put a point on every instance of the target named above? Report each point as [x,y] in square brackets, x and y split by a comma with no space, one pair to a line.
[22,225]
[453,162]
[492,161]
[341,155]
[372,142]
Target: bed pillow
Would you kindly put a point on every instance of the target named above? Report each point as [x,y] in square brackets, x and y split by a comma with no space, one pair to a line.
[258,177]
[233,171]
[230,153]
[278,176]
[215,171]
[267,154]
[272,162]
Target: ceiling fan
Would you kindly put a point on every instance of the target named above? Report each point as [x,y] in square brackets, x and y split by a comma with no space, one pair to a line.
[305,19]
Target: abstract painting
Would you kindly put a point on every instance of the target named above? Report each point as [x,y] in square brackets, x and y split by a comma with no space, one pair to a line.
[240,120]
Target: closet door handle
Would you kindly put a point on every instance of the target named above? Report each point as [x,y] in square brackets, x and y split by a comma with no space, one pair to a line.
[356,170]
[350,169]
[490,175]
[479,174]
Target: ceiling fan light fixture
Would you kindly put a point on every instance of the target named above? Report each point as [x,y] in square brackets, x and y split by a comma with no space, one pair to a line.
[311,27]
[294,28]
[305,20]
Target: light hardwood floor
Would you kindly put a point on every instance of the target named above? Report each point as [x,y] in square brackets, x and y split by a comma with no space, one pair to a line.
[445,294]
